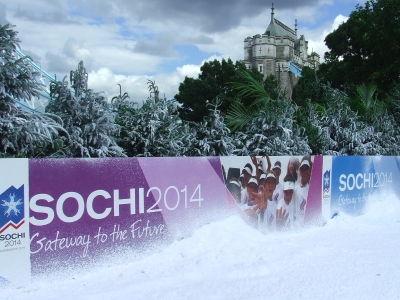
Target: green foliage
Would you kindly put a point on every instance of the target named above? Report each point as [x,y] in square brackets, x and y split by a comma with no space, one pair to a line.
[212,82]
[309,88]
[240,115]
[271,86]
[267,125]
[249,87]
[365,49]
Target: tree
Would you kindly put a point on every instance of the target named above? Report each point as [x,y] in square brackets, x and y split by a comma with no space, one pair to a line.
[22,133]
[309,88]
[87,117]
[212,82]
[365,49]
[154,129]
[212,135]
[271,86]
[375,113]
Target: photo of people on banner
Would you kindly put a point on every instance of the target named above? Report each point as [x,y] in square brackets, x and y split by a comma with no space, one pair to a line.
[271,191]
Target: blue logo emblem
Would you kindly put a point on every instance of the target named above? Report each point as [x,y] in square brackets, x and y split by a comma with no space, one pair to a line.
[12,208]
[327,181]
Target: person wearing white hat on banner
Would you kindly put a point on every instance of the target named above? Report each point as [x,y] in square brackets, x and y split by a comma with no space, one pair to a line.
[247,173]
[262,203]
[285,208]
[300,193]
[252,200]
[268,206]
[278,193]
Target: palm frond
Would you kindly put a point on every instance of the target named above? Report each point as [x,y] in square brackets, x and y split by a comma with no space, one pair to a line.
[250,87]
[239,116]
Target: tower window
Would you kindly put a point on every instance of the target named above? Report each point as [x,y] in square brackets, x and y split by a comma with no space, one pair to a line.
[260,69]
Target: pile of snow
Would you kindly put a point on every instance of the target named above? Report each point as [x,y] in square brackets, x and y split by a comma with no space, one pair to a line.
[348,258]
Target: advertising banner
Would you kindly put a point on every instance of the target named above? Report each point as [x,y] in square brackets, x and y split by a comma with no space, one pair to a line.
[277,192]
[81,209]
[62,213]
[14,222]
[356,178]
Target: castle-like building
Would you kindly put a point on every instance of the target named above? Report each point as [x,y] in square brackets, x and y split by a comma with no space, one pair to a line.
[279,52]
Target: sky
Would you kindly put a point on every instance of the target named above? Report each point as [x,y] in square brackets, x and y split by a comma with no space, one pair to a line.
[348,258]
[129,42]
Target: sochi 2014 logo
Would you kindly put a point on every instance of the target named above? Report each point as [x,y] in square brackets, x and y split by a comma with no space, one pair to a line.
[12,208]
[327,181]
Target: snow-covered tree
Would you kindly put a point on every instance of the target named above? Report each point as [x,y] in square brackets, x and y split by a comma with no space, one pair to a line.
[22,133]
[87,117]
[273,132]
[154,129]
[309,119]
[212,135]
[375,113]
[347,134]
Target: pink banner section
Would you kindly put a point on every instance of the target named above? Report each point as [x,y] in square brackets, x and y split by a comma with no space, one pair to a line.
[190,191]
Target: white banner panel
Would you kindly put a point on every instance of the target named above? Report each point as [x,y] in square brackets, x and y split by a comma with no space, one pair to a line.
[14,222]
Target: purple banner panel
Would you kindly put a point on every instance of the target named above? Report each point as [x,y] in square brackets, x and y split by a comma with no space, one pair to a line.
[83,208]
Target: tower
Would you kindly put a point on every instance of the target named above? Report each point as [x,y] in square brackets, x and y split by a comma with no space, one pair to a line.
[279,52]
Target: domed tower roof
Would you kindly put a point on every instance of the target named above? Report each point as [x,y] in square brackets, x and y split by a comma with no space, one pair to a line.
[277,28]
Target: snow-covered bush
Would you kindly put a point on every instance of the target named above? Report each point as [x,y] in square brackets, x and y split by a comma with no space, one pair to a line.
[272,131]
[212,135]
[87,117]
[267,126]
[375,113]
[22,133]
[309,119]
[154,129]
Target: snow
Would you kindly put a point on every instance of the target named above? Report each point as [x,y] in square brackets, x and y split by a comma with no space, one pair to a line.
[348,258]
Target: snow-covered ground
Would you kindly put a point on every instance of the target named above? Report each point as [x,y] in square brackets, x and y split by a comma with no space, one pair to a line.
[348,258]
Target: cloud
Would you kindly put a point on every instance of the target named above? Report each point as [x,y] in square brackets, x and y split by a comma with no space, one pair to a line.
[207,15]
[130,42]
[47,11]
[159,46]
[32,55]
[201,39]
[73,52]
[137,85]
[3,19]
